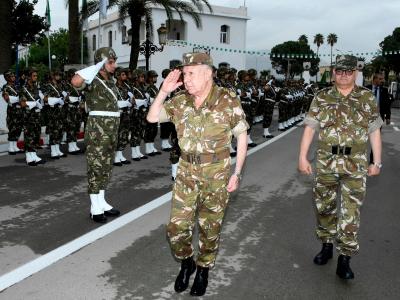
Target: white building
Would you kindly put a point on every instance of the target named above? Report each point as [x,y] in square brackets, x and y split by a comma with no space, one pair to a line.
[223,31]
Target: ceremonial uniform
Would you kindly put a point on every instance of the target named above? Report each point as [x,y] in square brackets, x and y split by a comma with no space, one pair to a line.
[72,113]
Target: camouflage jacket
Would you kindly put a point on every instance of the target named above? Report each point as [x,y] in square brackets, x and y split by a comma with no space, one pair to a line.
[152,90]
[29,93]
[52,89]
[10,90]
[101,95]
[209,128]
[344,122]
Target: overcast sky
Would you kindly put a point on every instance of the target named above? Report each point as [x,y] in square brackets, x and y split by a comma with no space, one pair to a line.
[359,24]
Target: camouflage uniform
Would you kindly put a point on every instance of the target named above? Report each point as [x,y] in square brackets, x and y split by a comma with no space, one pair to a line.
[204,136]
[72,113]
[150,132]
[125,118]
[101,133]
[344,124]
[268,105]
[138,116]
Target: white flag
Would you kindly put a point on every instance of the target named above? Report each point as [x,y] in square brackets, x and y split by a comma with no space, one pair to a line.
[103,8]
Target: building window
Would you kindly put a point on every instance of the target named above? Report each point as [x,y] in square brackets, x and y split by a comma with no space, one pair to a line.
[124,35]
[224,35]
[110,38]
[94,44]
[173,63]
[176,29]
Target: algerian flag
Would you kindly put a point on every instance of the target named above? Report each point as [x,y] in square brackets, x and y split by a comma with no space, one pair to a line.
[48,18]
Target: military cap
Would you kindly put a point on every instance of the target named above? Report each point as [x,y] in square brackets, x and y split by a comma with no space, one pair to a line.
[8,74]
[104,52]
[197,58]
[242,74]
[165,73]
[151,73]
[119,71]
[252,72]
[137,72]
[221,72]
[232,71]
[346,62]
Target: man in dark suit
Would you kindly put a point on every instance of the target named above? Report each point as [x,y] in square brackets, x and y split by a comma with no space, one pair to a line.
[382,96]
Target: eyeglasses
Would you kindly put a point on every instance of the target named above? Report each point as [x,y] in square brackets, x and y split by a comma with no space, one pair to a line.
[343,72]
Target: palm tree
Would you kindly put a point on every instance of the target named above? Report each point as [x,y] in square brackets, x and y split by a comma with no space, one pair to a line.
[74,31]
[138,9]
[332,40]
[318,40]
[303,39]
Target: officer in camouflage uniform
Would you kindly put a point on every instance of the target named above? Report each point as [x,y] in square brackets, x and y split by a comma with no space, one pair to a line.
[32,102]
[345,116]
[72,114]
[102,128]
[54,102]
[124,104]
[15,113]
[205,116]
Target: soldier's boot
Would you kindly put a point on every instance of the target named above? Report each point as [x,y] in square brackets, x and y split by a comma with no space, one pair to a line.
[60,154]
[30,159]
[54,152]
[250,142]
[71,149]
[281,127]
[123,160]
[343,269]
[188,266]
[11,148]
[134,154]
[232,151]
[286,125]
[165,145]
[200,283]
[155,151]
[16,149]
[324,255]
[38,160]
[77,149]
[140,153]
[174,169]
[96,212]
[117,159]
[108,210]
[267,134]
[149,149]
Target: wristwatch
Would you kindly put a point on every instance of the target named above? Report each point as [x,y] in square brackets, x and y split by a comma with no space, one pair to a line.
[238,175]
[378,165]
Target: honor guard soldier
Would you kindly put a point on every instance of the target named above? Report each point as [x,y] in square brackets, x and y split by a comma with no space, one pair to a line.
[345,116]
[102,128]
[205,116]
[15,114]
[32,102]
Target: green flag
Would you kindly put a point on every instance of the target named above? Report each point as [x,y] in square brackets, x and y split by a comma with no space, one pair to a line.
[48,18]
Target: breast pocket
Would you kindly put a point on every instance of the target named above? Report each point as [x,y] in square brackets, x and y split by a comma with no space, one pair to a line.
[216,126]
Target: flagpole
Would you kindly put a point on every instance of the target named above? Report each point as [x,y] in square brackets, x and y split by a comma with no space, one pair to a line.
[48,43]
[98,40]
[82,47]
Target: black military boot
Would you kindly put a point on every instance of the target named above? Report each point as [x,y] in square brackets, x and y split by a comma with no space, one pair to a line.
[200,282]
[324,255]
[343,269]
[188,266]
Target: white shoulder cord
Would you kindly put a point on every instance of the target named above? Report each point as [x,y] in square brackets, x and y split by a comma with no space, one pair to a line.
[112,93]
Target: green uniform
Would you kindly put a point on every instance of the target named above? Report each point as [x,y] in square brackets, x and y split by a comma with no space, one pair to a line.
[101,132]
[344,124]
[72,113]
[15,113]
[125,118]
[204,136]
[54,113]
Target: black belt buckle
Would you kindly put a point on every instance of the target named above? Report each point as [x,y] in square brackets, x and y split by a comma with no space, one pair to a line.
[341,150]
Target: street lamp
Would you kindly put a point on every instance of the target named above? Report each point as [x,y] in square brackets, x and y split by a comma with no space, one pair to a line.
[147,48]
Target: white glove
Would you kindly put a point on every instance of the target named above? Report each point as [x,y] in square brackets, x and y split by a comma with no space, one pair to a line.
[13,99]
[89,73]
[61,101]
[53,101]
[31,104]
[123,103]
[129,102]
[141,102]
[64,93]
[248,94]
[41,95]
[130,95]
[147,95]
[39,104]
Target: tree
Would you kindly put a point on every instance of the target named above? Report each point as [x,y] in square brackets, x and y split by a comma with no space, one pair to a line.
[74,28]
[138,9]
[332,40]
[303,39]
[318,40]
[281,62]
[392,43]
[18,26]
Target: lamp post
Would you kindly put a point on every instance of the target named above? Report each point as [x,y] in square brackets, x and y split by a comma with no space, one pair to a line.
[147,48]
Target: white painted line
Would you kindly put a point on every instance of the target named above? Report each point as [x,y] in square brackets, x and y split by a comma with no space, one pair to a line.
[59,253]
[396,128]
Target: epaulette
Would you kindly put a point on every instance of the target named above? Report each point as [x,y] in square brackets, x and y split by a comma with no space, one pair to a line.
[324,90]
[228,91]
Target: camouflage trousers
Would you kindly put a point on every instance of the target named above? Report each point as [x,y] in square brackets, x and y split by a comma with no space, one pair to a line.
[268,111]
[343,226]
[199,196]
[137,123]
[72,121]
[150,132]
[101,140]
[15,123]
[175,152]
[32,129]
[123,130]
[54,126]
[283,111]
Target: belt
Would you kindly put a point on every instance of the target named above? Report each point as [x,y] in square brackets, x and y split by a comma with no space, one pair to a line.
[101,113]
[342,150]
[204,158]
[73,105]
